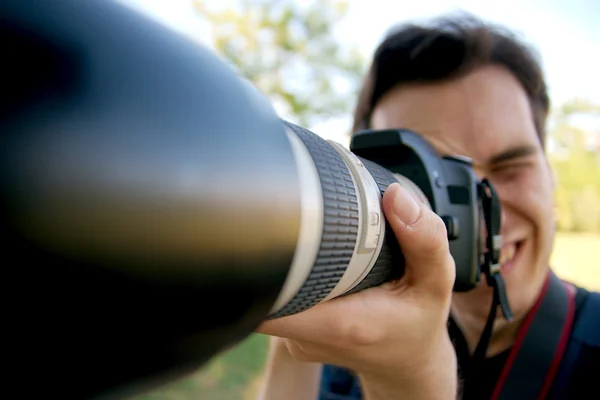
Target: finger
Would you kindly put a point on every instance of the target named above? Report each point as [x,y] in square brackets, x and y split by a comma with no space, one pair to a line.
[308,325]
[422,237]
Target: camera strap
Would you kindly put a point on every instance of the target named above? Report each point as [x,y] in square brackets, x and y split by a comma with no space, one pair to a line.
[541,341]
[492,214]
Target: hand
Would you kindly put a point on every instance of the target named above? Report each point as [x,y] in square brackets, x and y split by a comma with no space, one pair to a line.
[394,336]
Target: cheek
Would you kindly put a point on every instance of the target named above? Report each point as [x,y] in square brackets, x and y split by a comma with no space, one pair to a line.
[528,196]
[536,193]
[539,195]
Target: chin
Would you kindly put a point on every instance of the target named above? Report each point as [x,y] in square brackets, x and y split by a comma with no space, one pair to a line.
[524,277]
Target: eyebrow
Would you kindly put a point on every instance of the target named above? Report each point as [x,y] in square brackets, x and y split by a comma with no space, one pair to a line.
[511,154]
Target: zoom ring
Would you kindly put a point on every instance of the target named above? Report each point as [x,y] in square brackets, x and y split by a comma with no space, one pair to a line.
[340,224]
[390,261]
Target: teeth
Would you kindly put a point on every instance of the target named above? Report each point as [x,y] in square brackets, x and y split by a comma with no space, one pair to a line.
[507,253]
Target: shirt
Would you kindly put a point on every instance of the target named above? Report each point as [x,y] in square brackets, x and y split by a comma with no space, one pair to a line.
[477,380]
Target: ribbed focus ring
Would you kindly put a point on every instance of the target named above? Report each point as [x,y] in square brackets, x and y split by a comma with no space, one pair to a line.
[390,262]
[340,224]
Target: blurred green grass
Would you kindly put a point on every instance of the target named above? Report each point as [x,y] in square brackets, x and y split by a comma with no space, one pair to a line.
[236,374]
[233,375]
[576,258]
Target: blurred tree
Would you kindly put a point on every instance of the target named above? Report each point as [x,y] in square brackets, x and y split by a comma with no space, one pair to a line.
[577,106]
[287,49]
[576,162]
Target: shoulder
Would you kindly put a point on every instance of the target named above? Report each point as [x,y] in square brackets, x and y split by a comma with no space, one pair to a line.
[577,375]
[586,325]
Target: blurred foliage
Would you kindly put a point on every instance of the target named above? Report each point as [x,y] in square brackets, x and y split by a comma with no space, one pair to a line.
[576,162]
[288,50]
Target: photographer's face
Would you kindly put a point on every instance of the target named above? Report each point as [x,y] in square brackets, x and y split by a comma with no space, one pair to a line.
[487,117]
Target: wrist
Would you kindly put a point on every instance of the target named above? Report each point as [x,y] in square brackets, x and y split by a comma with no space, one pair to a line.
[435,378]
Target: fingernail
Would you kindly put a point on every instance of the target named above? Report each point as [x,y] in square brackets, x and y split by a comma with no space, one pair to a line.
[406,206]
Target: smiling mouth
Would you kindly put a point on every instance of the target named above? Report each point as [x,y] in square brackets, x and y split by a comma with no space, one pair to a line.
[510,254]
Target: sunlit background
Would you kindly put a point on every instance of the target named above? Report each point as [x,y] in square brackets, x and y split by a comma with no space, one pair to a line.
[308,57]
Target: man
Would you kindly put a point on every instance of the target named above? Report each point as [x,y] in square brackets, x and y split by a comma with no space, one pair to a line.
[468,89]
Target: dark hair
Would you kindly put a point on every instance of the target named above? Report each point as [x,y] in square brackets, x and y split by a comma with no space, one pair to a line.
[446,48]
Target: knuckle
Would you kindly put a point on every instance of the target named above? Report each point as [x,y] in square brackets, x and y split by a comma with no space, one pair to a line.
[357,333]
[448,275]
[435,237]
[445,278]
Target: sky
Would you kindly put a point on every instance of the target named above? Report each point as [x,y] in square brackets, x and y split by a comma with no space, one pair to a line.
[566,34]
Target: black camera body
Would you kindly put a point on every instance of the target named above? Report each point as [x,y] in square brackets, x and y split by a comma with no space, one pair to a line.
[449,184]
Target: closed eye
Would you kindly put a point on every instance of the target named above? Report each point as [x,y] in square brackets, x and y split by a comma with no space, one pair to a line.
[513,169]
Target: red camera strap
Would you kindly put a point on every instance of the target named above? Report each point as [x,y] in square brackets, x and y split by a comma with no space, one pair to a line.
[541,342]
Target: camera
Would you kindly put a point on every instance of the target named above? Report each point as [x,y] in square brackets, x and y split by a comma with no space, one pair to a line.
[155,209]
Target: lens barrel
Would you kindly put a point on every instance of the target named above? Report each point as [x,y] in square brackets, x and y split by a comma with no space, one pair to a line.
[350,244]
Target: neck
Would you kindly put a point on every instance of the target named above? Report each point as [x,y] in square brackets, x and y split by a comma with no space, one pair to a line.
[471,317]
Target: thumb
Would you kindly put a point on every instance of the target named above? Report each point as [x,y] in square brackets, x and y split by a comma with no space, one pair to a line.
[422,237]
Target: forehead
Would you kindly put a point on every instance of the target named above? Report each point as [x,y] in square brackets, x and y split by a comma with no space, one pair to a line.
[480,115]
